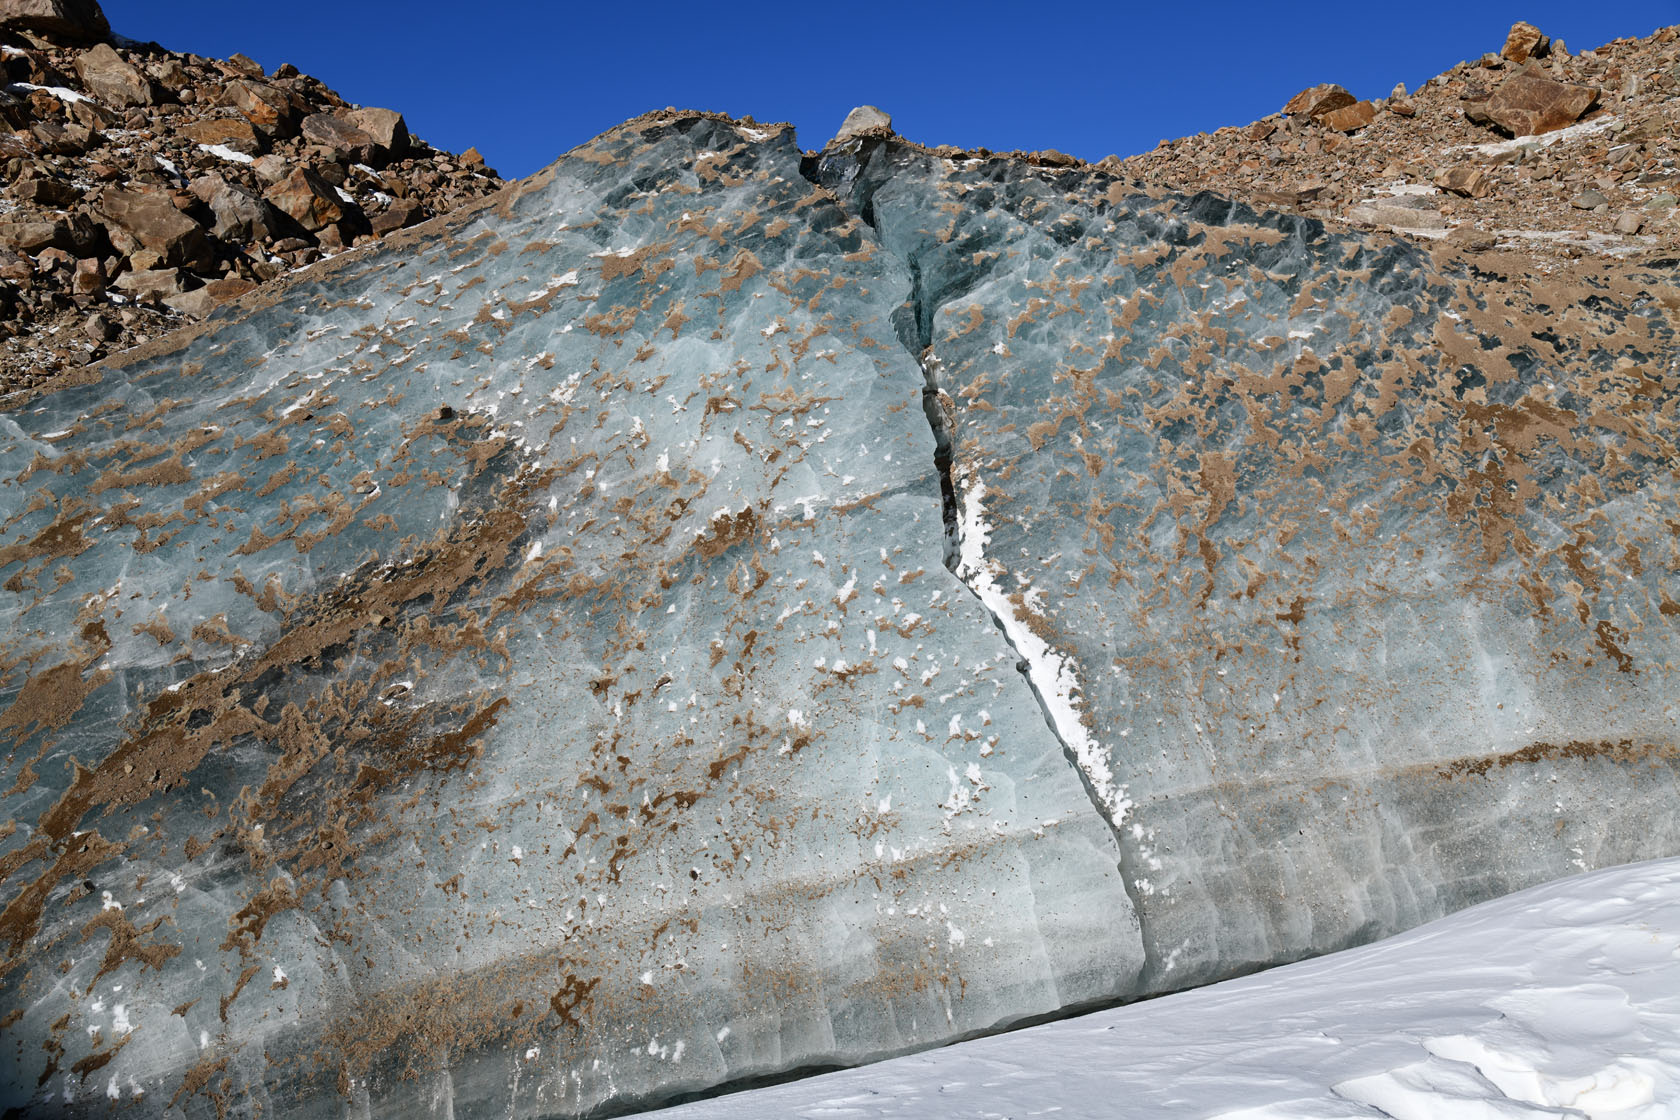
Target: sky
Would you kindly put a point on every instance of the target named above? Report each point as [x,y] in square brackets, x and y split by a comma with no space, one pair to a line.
[524,81]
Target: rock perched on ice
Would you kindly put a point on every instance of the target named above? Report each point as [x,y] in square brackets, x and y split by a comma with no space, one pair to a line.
[865,120]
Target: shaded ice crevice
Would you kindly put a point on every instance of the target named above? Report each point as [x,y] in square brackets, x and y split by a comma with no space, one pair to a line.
[1049,673]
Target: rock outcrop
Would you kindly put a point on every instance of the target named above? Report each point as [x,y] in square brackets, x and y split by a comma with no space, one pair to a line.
[172,183]
[1532,127]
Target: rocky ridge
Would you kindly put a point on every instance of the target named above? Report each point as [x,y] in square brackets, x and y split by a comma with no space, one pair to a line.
[141,187]
[1529,148]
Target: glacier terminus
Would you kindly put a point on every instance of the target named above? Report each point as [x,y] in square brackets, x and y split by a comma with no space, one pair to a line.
[719,610]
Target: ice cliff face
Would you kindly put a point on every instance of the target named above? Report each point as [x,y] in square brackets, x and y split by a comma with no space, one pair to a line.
[723,611]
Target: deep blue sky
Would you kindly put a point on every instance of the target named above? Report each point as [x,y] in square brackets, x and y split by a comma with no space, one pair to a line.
[525,80]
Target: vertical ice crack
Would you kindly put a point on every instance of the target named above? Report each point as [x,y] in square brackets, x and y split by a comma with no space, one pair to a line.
[1050,674]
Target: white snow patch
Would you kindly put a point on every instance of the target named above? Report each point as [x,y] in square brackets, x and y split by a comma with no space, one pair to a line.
[1545,140]
[222,151]
[59,92]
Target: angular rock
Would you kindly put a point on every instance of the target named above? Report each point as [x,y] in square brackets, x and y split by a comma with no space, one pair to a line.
[1349,118]
[196,303]
[1530,104]
[169,73]
[268,108]
[150,220]
[75,20]
[150,285]
[1629,223]
[1589,200]
[307,199]
[108,76]
[242,65]
[45,192]
[73,233]
[865,120]
[1465,180]
[65,139]
[15,266]
[100,328]
[338,136]
[1471,239]
[1524,42]
[1314,102]
[271,168]
[388,130]
[90,278]
[401,214]
[1391,214]
[238,135]
[241,216]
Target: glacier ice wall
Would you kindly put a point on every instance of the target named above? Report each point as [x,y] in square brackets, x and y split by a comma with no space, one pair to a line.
[519,670]
[721,611]
[1356,575]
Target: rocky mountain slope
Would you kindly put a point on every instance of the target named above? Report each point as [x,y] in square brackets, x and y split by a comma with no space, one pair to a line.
[1531,148]
[144,187]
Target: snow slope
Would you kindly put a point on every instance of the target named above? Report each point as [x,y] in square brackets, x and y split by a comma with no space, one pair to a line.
[1563,1000]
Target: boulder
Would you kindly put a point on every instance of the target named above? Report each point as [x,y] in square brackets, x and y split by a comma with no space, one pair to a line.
[271,168]
[107,76]
[401,214]
[1396,213]
[236,133]
[45,192]
[1349,118]
[100,329]
[15,266]
[240,215]
[150,220]
[89,279]
[307,199]
[388,130]
[61,139]
[1472,240]
[865,120]
[73,233]
[1470,182]
[1529,103]
[75,20]
[268,108]
[241,65]
[1314,103]
[338,136]
[150,285]
[1524,42]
